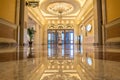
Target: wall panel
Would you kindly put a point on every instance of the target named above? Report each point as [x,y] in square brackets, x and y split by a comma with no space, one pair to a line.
[7,32]
[112,10]
[113,31]
[7,10]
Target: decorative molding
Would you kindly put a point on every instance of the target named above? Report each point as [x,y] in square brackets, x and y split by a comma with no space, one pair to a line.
[111,24]
[60,26]
[34,16]
[116,39]
[87,18]
[31,15]
[5,40]
[85,9]
[4,22]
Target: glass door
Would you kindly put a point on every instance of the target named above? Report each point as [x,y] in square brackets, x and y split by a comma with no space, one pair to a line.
[51,37]
[60,36]
[69,36]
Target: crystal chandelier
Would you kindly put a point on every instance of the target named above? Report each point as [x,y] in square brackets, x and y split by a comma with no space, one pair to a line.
[60,8]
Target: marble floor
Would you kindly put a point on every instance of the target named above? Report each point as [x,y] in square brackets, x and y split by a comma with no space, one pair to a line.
[60,62]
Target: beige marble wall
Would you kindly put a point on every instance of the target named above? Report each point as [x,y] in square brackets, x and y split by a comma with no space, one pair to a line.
[76,31]
[45,34]
[39,28]
[41,35]
[88,36]
[87,16]
[37,35]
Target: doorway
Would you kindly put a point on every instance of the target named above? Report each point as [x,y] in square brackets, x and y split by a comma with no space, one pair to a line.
[60,36]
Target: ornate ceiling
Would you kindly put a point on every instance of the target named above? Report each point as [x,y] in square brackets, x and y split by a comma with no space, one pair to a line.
[60,8]
[66,8]
[51,9]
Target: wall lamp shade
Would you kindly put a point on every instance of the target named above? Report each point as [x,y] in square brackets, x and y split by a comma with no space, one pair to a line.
[89,27]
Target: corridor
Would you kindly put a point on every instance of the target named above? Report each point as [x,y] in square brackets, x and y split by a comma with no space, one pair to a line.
[64,62]
[59,39]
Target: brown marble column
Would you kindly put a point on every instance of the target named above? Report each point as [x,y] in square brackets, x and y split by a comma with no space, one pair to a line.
[22,21]
[98,22]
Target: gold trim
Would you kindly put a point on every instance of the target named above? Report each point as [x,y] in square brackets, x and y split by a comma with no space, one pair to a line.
[7,40]
[87,18]
[33,15]
[2,21]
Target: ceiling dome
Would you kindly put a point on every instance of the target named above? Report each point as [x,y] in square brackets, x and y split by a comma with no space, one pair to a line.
[58,8]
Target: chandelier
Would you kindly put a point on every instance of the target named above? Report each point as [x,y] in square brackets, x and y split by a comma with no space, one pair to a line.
[60,8]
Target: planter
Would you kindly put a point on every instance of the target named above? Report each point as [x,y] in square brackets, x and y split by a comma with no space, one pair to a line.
[30,43]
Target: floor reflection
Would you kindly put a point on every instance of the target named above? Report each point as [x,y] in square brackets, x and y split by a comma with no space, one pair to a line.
[61,52]
[8,54]
[60,62]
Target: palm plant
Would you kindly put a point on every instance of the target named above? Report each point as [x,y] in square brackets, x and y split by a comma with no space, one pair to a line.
[31,32]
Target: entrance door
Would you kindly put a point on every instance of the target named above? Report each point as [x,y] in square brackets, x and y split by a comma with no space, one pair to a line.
[60,36]
[51,37]
[69,36]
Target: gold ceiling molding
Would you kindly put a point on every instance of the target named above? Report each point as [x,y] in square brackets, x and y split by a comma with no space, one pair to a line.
[35,12]
[60,26]
[69,9]
[51,7]
[85,10]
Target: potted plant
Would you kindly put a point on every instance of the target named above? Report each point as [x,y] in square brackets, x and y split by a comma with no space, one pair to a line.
[30,32]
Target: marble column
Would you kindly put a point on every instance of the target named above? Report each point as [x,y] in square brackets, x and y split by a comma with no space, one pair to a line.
[17,20]
[22,13]
[98,22]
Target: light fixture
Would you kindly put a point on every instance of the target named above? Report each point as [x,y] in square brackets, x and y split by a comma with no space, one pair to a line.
[60,8]
[89,27]
[32,3]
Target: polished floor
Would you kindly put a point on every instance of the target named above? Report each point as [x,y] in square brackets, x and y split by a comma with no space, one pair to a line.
[60,62]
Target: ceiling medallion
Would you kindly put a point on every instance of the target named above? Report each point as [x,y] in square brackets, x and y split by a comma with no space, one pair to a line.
[60,8]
